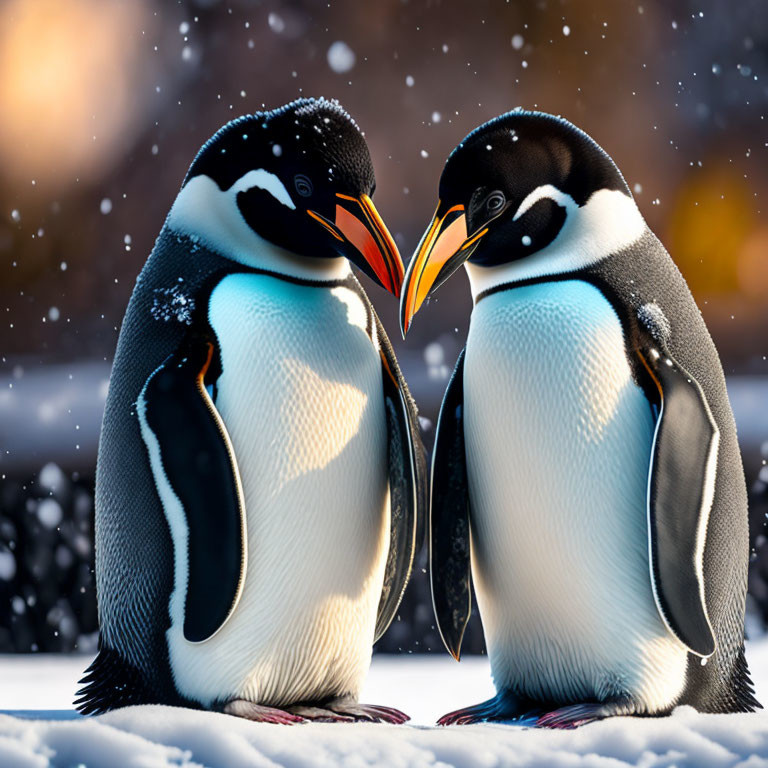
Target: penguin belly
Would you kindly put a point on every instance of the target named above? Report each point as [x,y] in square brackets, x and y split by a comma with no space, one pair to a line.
[300,394]
[558,444]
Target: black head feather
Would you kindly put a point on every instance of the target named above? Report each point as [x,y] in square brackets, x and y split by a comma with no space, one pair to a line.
[312,146]
[502,161]
[314,136]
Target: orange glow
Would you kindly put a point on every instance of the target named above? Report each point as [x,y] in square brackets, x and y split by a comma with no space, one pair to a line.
[753,266]
[711,219]
[67,85]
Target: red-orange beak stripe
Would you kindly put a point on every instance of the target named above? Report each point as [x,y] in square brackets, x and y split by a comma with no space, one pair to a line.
[373,240]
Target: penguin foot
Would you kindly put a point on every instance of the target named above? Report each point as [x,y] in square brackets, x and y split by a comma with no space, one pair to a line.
[371,713]
[576,715]
[319,714]
[505,707]
[259,713]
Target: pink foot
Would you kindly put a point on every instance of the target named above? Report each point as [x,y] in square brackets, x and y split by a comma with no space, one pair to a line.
[372,713]
[347,710]
[576,715]
[259,713]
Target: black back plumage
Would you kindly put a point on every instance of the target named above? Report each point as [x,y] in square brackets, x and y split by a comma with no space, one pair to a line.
[134,553]
[645,273]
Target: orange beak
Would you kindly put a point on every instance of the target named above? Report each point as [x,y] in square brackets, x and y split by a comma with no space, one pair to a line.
[443,249]
[358,222]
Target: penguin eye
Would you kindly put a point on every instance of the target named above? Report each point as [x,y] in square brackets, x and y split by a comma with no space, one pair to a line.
[303,185]
[495,202]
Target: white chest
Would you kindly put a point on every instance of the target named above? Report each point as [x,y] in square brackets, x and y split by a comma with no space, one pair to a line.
[300,394]
[558,441]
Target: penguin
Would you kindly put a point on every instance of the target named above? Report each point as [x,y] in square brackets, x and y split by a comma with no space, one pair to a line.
[586,475]
[260,471]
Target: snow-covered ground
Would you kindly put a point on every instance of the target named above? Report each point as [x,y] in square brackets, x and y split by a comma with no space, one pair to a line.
[43,731]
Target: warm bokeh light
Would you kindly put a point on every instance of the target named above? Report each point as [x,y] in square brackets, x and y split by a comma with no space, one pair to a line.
[753,266]
[67,72]
[710,222]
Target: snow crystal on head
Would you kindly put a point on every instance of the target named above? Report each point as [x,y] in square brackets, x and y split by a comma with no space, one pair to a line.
[324,130]
[312,107]
[653,318]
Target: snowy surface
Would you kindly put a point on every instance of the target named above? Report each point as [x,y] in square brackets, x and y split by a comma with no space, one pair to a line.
[154,737]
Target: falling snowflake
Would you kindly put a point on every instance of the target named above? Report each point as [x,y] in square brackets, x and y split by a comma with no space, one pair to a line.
[276,23]
[7,565]
[172,304]
[49,513]
[341,58]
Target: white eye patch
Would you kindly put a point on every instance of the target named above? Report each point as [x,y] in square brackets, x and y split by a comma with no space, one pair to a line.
[606,223]
[546,191]
[210,215]
[266,181]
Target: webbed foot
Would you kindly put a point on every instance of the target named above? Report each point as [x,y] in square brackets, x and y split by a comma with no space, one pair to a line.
[373,713]
[576,715]
[259,713]
[319,714]
[505,707]
[346,708]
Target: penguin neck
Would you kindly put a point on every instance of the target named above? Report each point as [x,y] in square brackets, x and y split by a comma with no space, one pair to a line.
[204,212]
[608,222]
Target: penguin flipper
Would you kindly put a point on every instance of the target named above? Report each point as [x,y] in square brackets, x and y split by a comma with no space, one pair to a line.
[407,483]
[198,481]
[450,569]
[681,487]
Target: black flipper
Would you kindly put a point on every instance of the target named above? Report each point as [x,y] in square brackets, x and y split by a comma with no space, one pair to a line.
[680,493]
[188,443]
[450,568]
[407,483]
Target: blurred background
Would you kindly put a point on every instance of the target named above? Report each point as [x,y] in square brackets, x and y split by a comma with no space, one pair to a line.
[104,103]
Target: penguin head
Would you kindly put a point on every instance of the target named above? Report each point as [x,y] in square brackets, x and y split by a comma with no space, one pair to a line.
[301,178]
[505,194]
